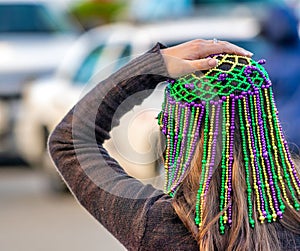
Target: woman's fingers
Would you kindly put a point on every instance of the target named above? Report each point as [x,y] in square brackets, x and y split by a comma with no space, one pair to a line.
[194,55]
[179,68]
[219,47]
[199,48]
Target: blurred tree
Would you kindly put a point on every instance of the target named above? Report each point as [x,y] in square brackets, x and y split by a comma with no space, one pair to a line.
[92,13]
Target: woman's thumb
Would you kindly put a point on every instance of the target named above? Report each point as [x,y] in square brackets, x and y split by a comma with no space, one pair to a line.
[204,64]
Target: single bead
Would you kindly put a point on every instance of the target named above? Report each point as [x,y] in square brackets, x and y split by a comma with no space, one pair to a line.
[279,213]
[261,61]
[222,76]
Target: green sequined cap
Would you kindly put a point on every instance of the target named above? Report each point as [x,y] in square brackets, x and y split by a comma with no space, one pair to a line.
[235,96]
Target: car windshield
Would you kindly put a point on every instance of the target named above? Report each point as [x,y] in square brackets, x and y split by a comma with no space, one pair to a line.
[101,58]
[31,18]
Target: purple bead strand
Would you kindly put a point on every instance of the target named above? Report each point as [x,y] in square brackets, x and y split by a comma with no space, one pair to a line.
[254,156]
[177,132]
[248,71]
[212,162]
[294,171]
[183,147]
[265,151]
[195,140]
[231,151]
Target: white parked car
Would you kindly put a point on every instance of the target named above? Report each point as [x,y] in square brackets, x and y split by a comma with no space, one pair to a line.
[96,55]
[34,35]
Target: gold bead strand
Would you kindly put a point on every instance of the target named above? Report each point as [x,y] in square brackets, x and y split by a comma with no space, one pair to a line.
[252,164]
[276,157]
[260,132]
[210,139]
[227,126]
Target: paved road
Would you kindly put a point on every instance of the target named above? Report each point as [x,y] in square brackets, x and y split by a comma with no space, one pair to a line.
[33,219]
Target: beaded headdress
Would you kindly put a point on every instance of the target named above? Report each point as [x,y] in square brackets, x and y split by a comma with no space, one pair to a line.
[236,95]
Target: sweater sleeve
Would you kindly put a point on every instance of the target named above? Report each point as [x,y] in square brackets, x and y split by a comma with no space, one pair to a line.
[118,201]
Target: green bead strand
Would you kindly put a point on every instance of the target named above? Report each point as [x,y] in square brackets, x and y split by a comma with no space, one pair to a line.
[279,141]
[198,219]
[247,167]
[223,166]
[267,138]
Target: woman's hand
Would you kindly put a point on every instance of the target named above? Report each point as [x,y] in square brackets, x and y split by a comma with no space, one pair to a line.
[193,55]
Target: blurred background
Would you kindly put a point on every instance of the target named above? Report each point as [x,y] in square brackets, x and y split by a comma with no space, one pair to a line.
[51,51]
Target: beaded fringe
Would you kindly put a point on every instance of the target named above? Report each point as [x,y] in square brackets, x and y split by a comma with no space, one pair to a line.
[181,124]
[263,146]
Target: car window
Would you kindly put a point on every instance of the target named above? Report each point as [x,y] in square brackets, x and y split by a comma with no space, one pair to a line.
[31,18]
[106,56]
[87,68]
[124,57]
[114,56]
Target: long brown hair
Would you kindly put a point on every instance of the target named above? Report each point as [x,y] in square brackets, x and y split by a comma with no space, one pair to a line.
[240,236]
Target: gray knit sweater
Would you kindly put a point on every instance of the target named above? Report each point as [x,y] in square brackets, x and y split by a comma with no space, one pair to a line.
[139,216]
